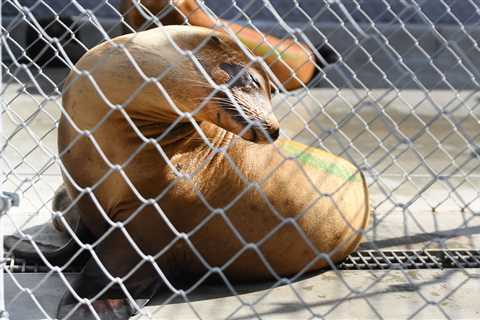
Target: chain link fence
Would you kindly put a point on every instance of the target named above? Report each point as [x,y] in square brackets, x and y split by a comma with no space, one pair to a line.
[400,102]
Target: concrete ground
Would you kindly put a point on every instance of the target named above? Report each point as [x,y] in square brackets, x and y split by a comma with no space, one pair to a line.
[417,149]
[413,294]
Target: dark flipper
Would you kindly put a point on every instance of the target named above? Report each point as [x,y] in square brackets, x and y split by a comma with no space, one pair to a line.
[107,309]
[325,55]
[57,255]
[60,253]
[112,305]
[118,258]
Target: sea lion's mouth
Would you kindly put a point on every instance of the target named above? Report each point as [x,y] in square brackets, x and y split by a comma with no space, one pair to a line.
[272,135]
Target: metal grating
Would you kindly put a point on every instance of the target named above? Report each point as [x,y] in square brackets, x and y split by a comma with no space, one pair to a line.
[411,259]
[19,265]
[360,260]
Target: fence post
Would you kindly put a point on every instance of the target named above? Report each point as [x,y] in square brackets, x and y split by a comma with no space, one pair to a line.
[3,311]
[5,198]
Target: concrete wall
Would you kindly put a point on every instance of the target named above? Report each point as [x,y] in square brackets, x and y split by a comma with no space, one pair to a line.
[380,11]
[411,44]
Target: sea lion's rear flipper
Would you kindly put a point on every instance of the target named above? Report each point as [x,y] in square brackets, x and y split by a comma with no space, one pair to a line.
[59,251]
[105,309]
[113,304]
[108,299]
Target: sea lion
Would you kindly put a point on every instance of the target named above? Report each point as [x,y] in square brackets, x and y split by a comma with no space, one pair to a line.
[294,63]
[139,16]
[170,152]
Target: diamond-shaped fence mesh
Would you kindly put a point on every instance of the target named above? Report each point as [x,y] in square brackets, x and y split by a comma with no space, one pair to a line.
[142,139]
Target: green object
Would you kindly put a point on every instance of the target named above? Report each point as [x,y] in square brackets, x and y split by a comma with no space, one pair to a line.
[308,157]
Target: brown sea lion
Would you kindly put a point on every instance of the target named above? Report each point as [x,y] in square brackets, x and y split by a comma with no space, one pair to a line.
[139,16]
[152,157]
[294,63]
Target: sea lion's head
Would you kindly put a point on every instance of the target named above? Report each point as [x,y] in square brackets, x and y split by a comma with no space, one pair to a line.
[190,70]
[245,106]
[241,100]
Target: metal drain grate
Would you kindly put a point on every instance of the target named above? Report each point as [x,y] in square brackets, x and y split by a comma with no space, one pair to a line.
[18,265]
[409,259]
[360,260]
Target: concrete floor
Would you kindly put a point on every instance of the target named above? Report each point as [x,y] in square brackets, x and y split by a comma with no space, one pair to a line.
[413,294]
[417,151]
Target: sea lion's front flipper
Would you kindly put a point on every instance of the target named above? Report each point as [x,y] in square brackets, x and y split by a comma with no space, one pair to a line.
[55,242]
[57,254]
[109,300]
[24,248]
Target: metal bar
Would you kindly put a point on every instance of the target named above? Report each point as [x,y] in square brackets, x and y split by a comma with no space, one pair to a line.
[360,260]
[3,311]
[411,259]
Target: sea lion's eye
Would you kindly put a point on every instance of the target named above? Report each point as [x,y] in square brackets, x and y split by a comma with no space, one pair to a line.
[215,40]
[254,80]
[239,76]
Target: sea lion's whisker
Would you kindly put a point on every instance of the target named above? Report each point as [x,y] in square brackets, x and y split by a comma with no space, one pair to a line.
[253,120]
[213,99]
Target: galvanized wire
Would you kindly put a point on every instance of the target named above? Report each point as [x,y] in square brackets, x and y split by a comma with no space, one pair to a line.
[382,160]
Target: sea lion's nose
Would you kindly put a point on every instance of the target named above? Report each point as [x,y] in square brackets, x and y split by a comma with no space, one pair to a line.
[274,134]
